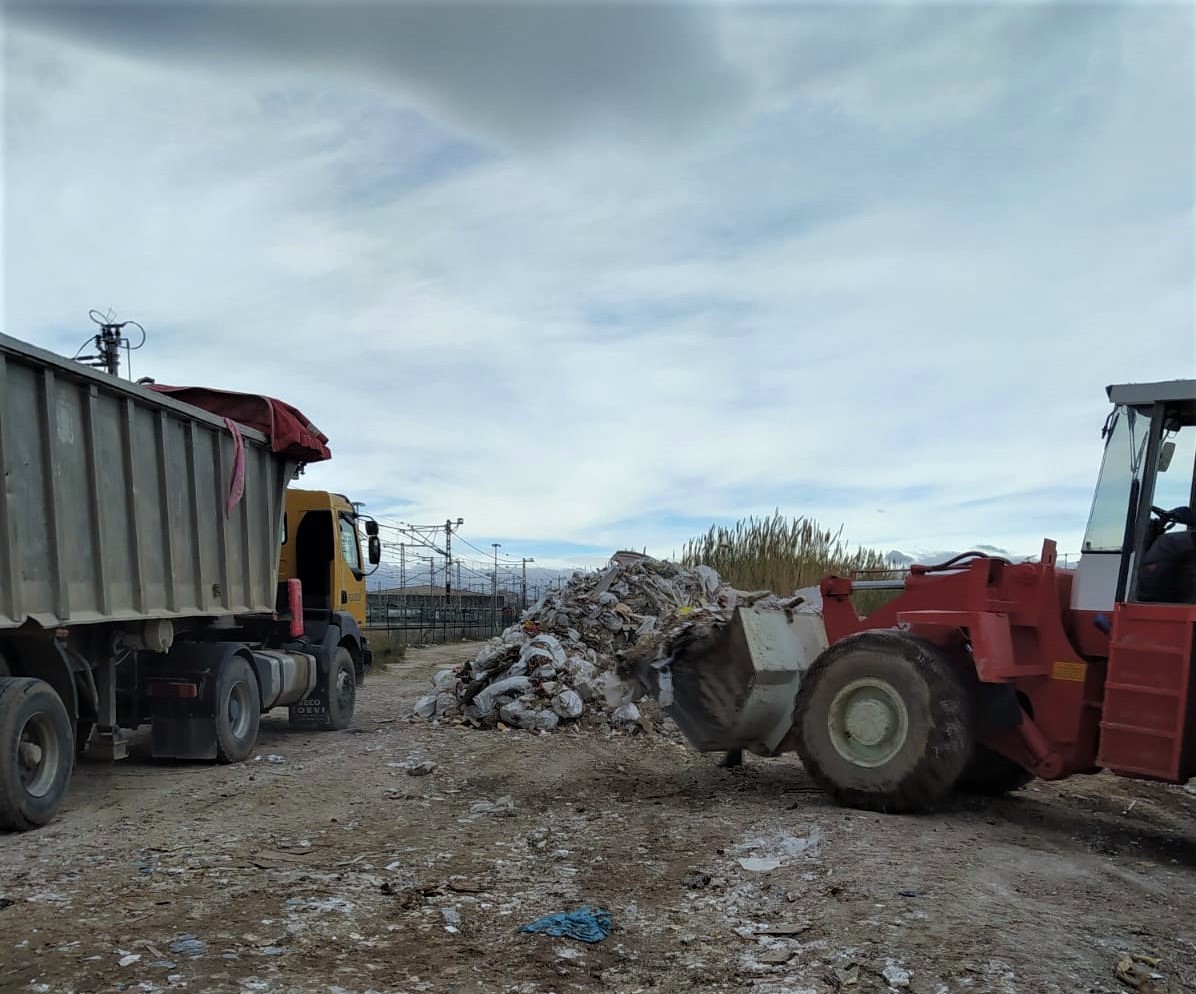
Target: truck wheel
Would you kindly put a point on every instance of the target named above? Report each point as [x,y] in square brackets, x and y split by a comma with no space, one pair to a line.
[37,752]
[990,774]
[238,710]
[342,692]
[330,707]
[884,723]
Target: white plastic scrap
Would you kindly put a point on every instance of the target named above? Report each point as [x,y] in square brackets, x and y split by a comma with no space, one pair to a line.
[626,714]
[485,699]
[568,704]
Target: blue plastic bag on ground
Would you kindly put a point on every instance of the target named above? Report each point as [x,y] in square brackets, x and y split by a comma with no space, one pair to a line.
[586,924]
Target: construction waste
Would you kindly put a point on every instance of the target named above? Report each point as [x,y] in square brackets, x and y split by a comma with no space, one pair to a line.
[578,655]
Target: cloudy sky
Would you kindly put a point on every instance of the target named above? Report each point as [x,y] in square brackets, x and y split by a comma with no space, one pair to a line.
[595,275]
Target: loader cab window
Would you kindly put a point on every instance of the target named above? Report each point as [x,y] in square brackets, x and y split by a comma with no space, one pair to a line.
[1125,450]
[1177,467]
[350,548]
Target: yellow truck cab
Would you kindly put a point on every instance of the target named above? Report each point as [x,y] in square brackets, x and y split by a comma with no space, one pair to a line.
[321,548]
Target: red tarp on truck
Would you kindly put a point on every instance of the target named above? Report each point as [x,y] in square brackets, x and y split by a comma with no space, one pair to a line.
[286,427]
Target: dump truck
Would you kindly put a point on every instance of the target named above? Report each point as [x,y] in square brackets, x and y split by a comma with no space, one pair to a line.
[980,673]
[157,569]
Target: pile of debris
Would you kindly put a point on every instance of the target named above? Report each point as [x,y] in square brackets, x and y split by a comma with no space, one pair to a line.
[563,662]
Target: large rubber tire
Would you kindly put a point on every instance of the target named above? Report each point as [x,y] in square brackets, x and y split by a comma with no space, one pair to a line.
[990,774]
[37,753]
[341,692]
[336,695]
[238,710]
[884,723]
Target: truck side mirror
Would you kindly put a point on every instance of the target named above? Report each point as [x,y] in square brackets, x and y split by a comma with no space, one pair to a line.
[375,550]
[1166,454]
[371,527]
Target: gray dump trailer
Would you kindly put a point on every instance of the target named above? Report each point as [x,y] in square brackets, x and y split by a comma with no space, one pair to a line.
[139,578]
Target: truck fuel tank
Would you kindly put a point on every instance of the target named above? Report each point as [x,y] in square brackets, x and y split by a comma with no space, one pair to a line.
[285,676]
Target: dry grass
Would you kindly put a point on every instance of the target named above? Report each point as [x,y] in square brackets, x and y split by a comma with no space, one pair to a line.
[783,554]
[387,649]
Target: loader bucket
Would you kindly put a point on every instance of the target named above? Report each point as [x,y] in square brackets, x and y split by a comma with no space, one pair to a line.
[737,689]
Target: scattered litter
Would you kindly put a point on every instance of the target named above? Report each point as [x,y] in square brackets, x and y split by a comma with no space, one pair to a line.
[1140,973]
[504,807]
[760,864]
[188,945]
[910,893]
[1190,787]
[775,957]
[452,919]
[274,758]
[785,929]
[848,976]
[321,904]
[696,881]
[895,975]
[129,959]
[420,769]
[585,924]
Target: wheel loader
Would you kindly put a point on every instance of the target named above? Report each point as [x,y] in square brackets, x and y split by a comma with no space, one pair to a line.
[983,673]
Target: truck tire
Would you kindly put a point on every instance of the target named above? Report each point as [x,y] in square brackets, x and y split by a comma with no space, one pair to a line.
[238,710]
[342,692]
[37,753]
[334,699]
[990,774]
[884,723]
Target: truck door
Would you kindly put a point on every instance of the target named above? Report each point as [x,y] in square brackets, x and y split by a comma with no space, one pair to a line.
[350,573]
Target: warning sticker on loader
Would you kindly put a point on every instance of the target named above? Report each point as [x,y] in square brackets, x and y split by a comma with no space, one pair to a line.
[1072,672]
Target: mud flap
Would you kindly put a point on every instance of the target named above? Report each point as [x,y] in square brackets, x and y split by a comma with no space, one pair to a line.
[183,736]
[310,713]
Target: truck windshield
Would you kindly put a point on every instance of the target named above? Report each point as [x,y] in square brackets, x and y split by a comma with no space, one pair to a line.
[1125,447]
[350,550]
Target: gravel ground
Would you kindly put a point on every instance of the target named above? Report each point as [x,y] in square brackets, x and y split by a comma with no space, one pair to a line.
[326,867]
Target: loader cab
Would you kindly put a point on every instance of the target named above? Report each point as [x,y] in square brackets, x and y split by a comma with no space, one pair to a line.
[322,549]
[1149,462]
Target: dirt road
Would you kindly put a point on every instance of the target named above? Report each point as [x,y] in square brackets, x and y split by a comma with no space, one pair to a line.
[325,867]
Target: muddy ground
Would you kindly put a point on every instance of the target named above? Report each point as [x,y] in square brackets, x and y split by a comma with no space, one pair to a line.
[325,867]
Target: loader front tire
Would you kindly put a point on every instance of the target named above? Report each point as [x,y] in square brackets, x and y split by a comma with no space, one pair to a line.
[37,753]
[884,723]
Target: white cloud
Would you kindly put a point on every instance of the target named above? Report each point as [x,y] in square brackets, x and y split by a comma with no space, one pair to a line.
[891,271]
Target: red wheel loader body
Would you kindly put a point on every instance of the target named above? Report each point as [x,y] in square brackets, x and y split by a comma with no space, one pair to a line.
[1076,670]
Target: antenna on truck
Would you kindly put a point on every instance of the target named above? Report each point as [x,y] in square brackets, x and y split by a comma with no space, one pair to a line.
[108,342]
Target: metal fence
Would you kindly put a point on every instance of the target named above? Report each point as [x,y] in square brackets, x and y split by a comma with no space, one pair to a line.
[430,619]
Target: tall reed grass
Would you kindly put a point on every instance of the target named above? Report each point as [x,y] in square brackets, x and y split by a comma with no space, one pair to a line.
[782,554]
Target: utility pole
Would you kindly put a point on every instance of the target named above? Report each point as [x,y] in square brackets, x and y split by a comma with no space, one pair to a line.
[403,589]
[523,588]
[494,584]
